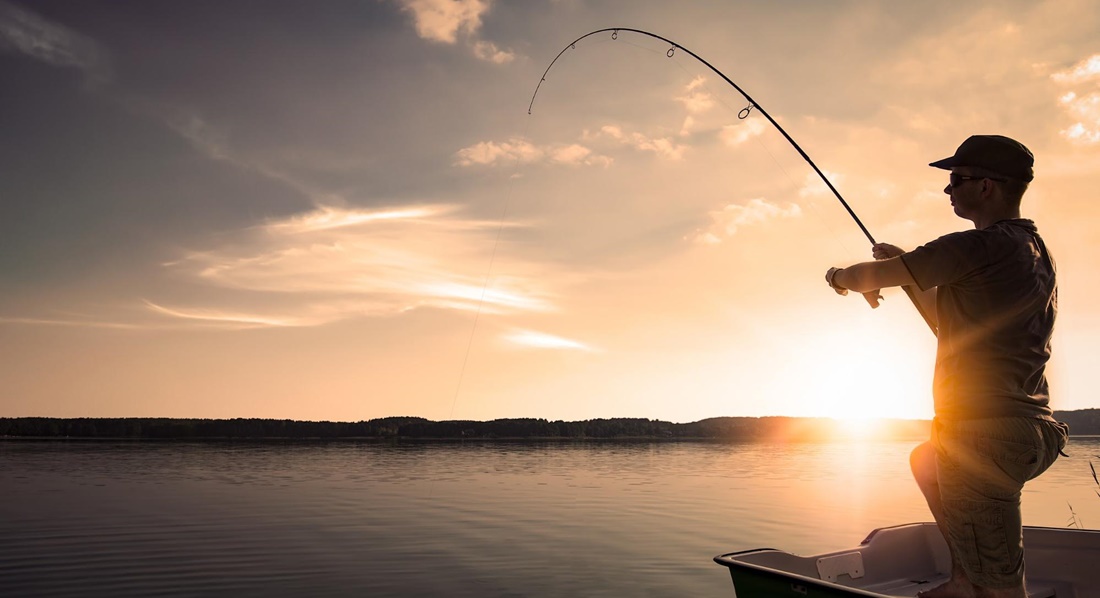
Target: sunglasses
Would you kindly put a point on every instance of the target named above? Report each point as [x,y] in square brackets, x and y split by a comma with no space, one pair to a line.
[958,179]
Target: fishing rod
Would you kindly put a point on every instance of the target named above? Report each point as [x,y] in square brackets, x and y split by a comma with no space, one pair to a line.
[743,114]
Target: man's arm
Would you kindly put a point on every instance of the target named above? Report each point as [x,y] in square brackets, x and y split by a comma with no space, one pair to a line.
[869,277]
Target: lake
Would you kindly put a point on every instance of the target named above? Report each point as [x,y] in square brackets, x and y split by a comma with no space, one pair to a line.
[486,519]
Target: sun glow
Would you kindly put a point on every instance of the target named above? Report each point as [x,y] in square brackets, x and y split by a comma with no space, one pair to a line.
[855,383]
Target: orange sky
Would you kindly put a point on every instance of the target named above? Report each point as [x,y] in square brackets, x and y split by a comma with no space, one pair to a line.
[347,213]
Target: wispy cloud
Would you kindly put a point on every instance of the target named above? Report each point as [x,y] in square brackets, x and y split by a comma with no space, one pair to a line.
[234,319]
[214,143]
[662,146]
[520,151]
[726,222]
[29,33]
[1083,105]
[335,263]
[444,21]
[71,322]
[530,339]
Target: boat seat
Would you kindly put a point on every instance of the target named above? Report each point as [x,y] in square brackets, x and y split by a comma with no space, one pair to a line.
[848,563]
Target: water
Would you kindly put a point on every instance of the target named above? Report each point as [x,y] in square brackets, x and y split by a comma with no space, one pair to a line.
[447,519]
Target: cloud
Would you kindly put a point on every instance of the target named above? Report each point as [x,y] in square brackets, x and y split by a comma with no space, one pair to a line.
[612,131]
[530,339]
[215,144]
[1086,110]
[336,263]
[734,135]
[1085,70]
[695,101]
[813,185]
[233,320]
[201,135]
[689,124]
[325,218]
[488,153]
[76,323]
[521,151]
[28,33]
[489,51]
[444,20]
[727,221]
[441,20]
[664,147]
[572,154]
[1081,106]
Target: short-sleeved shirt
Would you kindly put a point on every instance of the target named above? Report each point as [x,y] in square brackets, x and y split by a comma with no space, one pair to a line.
[996,303]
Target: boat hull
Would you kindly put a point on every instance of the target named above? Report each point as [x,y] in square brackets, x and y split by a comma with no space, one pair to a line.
[903,560]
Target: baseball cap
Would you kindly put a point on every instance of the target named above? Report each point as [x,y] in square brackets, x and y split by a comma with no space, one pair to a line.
[996,153]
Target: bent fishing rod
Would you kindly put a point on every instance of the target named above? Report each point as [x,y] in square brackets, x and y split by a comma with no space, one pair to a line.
[743,114]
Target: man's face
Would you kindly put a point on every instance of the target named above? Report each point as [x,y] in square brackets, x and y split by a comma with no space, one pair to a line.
[965,191]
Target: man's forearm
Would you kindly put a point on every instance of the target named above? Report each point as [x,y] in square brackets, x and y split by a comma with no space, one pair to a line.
[871,276]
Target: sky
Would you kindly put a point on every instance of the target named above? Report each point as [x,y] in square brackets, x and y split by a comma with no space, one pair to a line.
[342,210]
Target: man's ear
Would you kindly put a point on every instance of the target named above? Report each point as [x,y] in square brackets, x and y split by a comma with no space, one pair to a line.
[988,187]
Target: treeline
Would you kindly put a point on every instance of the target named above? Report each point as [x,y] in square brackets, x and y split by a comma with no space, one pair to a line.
[734,428]
[727,428]
[146,427]
[1082,422]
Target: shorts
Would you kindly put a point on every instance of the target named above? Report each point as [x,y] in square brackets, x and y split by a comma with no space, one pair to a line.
[981,466]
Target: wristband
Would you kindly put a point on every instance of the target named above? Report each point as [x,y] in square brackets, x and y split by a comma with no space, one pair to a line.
[830,277]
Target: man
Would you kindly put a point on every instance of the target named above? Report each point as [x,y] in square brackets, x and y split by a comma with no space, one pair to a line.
[992,296]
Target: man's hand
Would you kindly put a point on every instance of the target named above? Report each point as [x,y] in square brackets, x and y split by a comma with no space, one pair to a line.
[881,251]
[885,251]
[830,277]
[872,297]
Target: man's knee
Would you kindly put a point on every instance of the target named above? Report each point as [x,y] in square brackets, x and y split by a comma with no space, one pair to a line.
[923,463]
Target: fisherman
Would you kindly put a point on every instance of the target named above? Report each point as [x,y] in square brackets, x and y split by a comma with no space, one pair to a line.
[992,296]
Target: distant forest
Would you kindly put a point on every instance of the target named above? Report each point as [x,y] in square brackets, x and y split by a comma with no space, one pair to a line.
[1082,422]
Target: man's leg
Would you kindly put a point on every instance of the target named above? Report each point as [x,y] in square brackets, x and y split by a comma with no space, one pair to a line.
[981,467]
[923,463]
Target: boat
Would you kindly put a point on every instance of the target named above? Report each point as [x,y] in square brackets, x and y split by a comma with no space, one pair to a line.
[905,559]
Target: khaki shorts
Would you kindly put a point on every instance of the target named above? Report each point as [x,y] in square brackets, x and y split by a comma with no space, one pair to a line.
[981,465]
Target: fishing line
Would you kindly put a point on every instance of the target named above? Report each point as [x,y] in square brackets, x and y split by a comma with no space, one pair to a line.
[489,270]
[744,113]
[502,220]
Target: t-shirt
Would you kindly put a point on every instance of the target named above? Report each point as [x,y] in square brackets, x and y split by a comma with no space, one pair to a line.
[996,302]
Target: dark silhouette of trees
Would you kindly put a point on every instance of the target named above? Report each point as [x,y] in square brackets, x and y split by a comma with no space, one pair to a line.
[1081,422]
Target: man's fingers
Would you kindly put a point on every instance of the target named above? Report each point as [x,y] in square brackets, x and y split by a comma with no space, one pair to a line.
[882,251]
[873,298]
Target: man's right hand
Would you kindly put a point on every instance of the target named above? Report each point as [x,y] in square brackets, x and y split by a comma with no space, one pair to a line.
[885,251]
